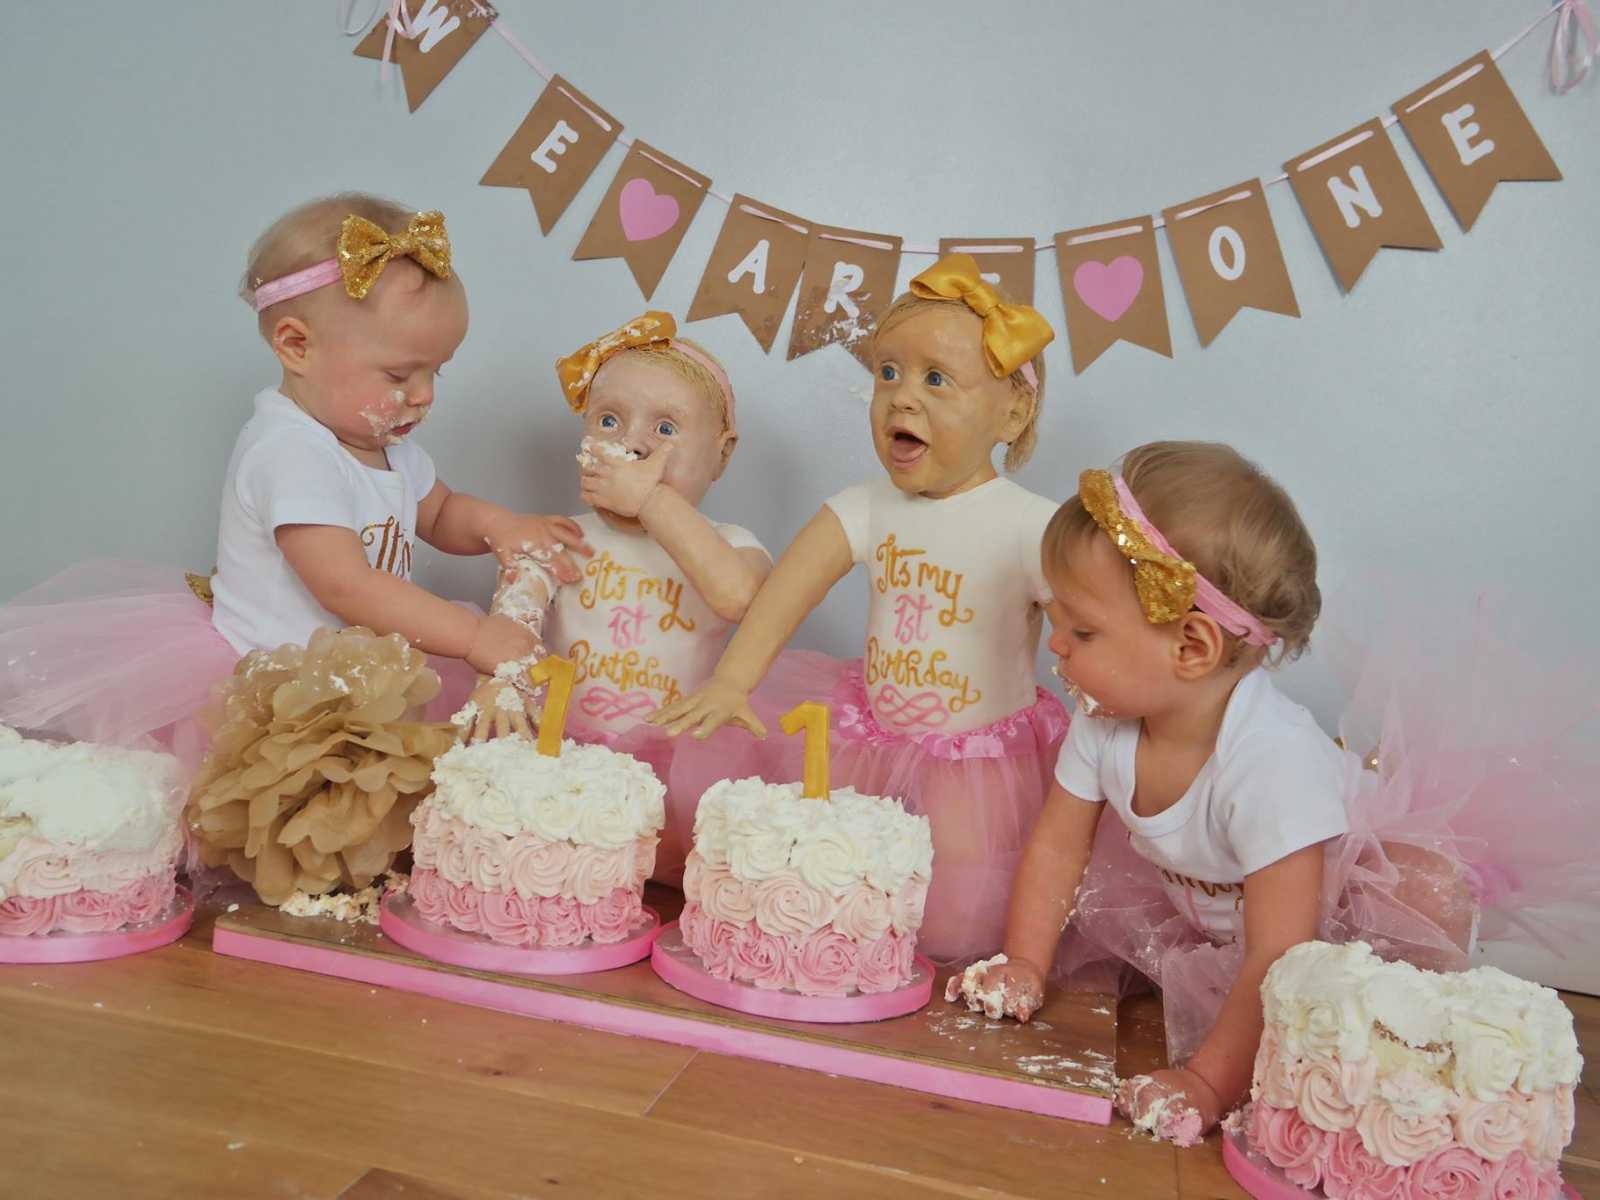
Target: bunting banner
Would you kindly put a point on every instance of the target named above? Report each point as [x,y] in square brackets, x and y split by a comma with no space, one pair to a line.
[1466,126]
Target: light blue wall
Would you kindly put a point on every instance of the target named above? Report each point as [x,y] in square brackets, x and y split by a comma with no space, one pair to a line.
[1443,416]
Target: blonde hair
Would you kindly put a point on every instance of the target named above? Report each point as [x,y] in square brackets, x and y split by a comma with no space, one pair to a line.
[680,364]
[1231,520]
[309,234]
[909,304]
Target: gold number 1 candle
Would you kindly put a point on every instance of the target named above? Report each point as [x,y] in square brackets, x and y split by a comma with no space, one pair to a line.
[813,718]
[558,673]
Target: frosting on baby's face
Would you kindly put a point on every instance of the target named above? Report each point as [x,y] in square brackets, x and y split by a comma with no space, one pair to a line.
[938,411]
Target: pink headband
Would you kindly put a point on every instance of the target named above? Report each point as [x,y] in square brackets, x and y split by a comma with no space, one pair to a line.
[1208,597]
[318,275]
[717,373]
[1030,375]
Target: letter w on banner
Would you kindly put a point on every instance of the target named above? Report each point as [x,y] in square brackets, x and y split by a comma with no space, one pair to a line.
[848,282]
[753,269]
[1111,287]
[1472,134]
[436,36]
[1228,257]
[555,150]
[1358,199]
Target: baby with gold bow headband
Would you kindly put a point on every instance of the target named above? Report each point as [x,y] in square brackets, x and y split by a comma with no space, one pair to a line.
[327,491]
[942,709]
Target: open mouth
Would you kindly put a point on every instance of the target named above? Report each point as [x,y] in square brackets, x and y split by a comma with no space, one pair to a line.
[400,431]
[905,448]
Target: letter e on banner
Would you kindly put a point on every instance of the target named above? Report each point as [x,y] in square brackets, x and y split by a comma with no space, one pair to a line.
[555,150]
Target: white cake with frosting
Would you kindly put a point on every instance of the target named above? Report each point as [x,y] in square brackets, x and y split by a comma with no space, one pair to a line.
[1376,1078]
[821,897]
[536,850]
[90,836]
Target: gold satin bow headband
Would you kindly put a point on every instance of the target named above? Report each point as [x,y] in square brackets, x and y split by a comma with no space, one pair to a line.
[364,249]
[577,370]
[1013,334]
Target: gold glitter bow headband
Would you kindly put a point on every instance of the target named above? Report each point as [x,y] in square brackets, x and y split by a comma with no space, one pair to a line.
[1013,334]
[365,249]
[577,370]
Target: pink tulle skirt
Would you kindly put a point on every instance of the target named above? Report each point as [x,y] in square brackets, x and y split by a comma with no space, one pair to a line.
[981,791]
[124,653]
[1468,817]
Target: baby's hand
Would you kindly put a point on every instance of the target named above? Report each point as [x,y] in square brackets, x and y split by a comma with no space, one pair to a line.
[708,710]
[1174,1106]
[495,709]
[550,541]
[501,639]
[999,987]
[622,486]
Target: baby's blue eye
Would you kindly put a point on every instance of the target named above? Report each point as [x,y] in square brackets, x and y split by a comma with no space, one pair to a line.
[666,428]
[887,372]
[935,378]
[608,422]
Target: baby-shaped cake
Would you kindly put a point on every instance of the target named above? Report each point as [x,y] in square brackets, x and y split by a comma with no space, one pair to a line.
[536,850]
[819,896]
[1376,1078]
[89,836]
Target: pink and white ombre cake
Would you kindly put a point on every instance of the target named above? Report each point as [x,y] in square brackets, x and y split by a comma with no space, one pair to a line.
[820,897]
[89,836]
[1377,1079]
[534,850]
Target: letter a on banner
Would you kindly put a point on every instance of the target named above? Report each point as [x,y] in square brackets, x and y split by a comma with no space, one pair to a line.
[555,150]
[1358,199]
[1111,287]
[645,213]
[1228,257]
[1472,134]
[753,269]
[442,31]
[848,282]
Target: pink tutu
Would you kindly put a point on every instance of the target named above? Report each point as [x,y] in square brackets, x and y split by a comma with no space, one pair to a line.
[981,791]
[1486,769]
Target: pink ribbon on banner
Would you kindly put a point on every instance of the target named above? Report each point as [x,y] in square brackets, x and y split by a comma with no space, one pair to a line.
[1570,60]
[399,21]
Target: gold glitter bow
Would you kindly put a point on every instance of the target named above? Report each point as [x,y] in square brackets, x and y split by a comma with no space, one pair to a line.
[365,249]
[1013,334]
[1165,585]
[578,369]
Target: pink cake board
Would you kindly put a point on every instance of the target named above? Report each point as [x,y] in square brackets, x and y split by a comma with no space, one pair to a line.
[681,967]
[92,947]
[1060,1065]
[402,924]
[1264,1181]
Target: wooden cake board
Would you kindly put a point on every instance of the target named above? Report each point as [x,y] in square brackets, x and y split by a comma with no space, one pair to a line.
[1061,1064]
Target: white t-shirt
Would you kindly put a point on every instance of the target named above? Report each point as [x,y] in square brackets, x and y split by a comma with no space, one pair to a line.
[288,470]
[639,635]
[1273,785]
[955,589]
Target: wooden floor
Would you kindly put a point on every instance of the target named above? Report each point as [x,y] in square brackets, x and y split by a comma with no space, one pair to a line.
[180,1073]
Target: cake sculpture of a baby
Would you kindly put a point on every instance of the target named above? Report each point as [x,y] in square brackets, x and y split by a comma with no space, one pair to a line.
[536,850]
[821,896]
[1375,1078]
[90,836]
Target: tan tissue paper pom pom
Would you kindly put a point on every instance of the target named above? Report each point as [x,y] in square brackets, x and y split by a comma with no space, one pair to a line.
[313,771]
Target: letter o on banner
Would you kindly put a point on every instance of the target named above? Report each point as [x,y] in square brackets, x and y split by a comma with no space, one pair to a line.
[1226,249]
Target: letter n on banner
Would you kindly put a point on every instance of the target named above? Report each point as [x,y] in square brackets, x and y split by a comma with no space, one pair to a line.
[848,282]
[753,269]
[444,31]
[1111,286]
[1358,199]
[1005,263]
[1228,257]
[555,150]
[1472,134]
[645,213]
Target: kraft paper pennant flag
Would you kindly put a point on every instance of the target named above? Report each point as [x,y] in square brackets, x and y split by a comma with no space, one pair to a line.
[753,269]
[848,282]
[442,31]
[1471,133]
[1005,263]
[555,150]
[1111,286]
[1358,199]
[1228,257]
[645,214]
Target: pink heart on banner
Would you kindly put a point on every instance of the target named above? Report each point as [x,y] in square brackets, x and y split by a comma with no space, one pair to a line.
[645,212]
[1109,289]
